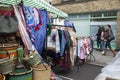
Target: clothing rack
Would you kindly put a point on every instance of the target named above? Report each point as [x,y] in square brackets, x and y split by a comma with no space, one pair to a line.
[89,57]
[41,4]
[61,27]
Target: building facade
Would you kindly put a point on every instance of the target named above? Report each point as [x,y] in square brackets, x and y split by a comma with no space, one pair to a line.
[88,14]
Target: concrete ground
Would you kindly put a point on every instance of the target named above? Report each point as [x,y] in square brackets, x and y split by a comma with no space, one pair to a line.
[89,70]
[100,59]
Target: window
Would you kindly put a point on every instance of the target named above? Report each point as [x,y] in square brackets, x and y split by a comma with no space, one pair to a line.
[110,14]
[96,15]
[67,0]
[104,14]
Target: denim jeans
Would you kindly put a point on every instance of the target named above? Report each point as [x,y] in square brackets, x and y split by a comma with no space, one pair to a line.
[103,43]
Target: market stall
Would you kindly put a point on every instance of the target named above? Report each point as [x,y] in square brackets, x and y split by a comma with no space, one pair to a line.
[23,38]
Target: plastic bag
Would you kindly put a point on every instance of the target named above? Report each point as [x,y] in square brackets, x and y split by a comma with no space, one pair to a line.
[112,70]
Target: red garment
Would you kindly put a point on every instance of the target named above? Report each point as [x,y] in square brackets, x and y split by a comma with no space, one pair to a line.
[7,13]
[40,21]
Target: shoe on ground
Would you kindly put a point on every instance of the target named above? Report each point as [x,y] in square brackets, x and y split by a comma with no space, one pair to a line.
[102,52]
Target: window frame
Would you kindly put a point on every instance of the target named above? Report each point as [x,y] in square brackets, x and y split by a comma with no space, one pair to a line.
[67,1]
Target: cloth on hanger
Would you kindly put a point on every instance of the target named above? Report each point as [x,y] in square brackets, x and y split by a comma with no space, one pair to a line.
[29,19]
[36,16]
[65,61]
[81,50]
[67,37]
[53,40]
[33,21]
[37,19]
[84,46]
[88,45]
[69,24]
[73,37]
[28,14]
[91,44]
[37,32]
[62,42]
[73,45]
[72,50]
[40,35]
[23,33]
[57,44]
[58,21]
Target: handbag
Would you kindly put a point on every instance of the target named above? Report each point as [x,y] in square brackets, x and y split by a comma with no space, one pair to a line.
[8,24]
[111,37]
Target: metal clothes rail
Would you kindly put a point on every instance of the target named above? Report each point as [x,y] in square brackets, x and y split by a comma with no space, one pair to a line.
[38,4]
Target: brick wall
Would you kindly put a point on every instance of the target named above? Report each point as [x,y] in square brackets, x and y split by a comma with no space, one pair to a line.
[118,30]
[91,6]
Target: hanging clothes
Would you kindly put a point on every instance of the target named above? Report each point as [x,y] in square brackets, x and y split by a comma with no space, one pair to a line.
[88,45]
[58,21]
[23,33]
[64,61]
[84,46]
[62,42]
[40,35]
[81,49]
[53,41]
[57,44]
[65,57]
[67,61]
[69,24]
[73,45]
[36,16]
[37,32]
[29,19]
[37,19]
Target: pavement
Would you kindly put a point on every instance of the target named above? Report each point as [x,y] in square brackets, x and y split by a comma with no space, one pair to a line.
[89,70]
[100,59]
